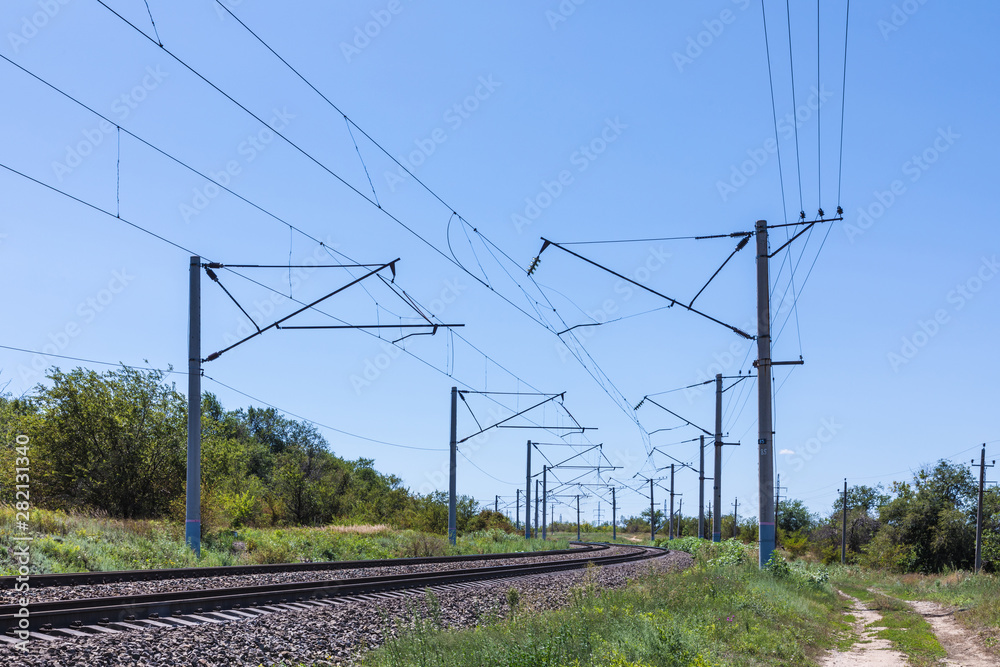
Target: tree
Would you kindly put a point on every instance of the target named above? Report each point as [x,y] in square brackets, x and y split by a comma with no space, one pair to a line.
[794,516]
[113,442]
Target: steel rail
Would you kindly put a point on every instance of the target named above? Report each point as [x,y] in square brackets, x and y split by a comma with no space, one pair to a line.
[119,576]
[104,611]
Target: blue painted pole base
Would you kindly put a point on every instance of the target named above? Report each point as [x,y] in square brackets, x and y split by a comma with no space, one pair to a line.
[766,543]
[192,536]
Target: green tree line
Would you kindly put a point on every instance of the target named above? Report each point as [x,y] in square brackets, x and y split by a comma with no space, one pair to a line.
[116,443]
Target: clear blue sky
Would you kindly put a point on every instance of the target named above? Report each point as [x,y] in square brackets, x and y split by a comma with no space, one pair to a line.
[616,122]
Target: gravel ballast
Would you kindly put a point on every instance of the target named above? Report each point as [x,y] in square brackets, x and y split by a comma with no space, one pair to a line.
[328,635]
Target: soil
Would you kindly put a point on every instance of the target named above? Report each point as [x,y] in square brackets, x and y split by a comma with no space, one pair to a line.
[959,642]
[869,651]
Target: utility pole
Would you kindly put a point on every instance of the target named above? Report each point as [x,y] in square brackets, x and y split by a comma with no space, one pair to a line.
[578,517]
[777,504]
[652,513]
[496,505]
[598,512]
[614,516]
[765,439]
[717,478]
[701,490]
[537,497]
[192,525]
[670,532]
[843,532]
[545,493]
[680,516]
[517,509]
[453,463]
[736,518]
[979,515]
[527,497]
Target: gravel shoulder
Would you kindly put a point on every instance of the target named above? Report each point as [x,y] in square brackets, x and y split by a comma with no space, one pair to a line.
[331,635]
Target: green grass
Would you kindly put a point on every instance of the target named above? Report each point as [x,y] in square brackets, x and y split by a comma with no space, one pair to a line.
[709,614]
[70,542]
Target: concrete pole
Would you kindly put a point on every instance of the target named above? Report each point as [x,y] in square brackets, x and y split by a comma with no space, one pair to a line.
[577,518]
[701,490]
[843,532]
[680,515]
[545,493]
[537,497]
[670,532]
[717,478]
[736,517]
[614,516]
[979,515]
[652,516]
[527,496]
[517,509]
[192,525]
[452,465]
[496,504]
[765,437]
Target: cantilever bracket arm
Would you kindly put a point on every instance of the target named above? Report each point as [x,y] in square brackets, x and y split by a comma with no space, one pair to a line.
[277,324]
[517,414]
[673,302]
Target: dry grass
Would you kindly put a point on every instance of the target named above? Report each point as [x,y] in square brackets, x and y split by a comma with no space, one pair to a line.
[360,529]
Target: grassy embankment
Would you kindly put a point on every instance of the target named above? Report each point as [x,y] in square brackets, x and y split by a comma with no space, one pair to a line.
[721,611]
[77,543]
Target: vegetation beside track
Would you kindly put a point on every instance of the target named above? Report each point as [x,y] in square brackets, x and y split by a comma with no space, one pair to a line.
[721,611]
[73,542]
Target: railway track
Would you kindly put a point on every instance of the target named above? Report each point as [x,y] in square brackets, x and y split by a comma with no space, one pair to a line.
[89,616]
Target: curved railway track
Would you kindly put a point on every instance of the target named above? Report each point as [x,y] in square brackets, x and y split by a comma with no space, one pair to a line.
[60,619]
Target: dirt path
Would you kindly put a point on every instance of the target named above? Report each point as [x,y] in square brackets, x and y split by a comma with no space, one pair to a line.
[868,650]
[962,647]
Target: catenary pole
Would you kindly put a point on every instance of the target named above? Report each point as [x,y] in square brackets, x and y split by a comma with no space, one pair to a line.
[537,497]
[717,477]
[701,490]
[578,518]
[453,463]
[545,494]
[192,525]
[652,513]
[736,517]
[670,531]
[766,431]
[614,516]
[527,495]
